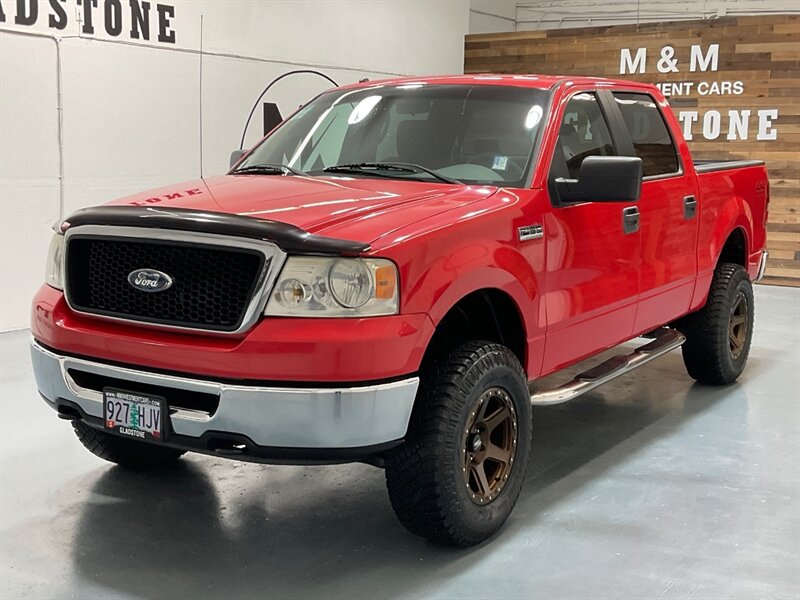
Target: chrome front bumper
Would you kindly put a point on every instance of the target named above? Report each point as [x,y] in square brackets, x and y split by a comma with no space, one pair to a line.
[312,418]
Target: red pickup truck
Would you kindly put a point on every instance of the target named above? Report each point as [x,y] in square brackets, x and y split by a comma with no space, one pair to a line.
[386,275]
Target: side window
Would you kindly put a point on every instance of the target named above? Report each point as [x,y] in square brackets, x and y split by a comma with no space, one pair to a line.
[583,133]
[649,134]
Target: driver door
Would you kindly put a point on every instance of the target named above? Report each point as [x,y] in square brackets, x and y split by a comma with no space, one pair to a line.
[591,279]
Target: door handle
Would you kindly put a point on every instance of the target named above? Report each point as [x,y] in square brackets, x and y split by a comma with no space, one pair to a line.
[630,220]
[689,207]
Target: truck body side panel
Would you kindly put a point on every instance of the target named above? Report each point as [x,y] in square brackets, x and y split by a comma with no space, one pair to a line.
[591,282]
[730,199]
[668,251]
[440,264]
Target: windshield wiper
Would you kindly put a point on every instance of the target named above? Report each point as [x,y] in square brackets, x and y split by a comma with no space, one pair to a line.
[268,169]
[399,167]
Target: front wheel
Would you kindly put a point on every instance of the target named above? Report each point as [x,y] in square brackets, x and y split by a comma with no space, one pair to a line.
[458,475]
[718,335]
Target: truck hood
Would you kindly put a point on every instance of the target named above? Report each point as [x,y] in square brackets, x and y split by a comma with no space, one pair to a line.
[358,209]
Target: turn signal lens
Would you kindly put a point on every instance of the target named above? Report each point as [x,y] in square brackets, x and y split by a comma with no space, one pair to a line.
[385,282]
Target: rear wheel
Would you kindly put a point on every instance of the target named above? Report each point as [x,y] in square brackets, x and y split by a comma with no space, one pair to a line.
[458,475]
[718,335]
[127,453]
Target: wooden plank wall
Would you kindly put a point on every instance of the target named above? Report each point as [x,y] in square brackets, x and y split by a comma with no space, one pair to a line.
[763,53]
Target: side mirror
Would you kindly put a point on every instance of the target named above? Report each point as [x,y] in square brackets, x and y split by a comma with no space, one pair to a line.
[603,179]
[236,155]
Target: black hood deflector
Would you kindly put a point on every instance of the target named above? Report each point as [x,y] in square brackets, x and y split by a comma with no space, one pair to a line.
[290,238]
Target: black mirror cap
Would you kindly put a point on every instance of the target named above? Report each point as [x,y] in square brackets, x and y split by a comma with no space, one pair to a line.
[612,178]
[604,179]
[236,156]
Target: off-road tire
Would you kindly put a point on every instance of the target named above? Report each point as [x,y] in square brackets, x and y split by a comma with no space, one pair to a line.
[126,453]
[425,476]
[708,351]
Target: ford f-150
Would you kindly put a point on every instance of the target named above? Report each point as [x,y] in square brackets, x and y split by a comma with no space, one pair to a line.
[387,274]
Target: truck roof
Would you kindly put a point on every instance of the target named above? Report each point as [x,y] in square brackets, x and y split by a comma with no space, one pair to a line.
[520,80]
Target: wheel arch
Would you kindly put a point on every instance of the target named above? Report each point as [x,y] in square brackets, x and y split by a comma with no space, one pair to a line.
[488,313]
[732,233]
[726,238]
[735,248]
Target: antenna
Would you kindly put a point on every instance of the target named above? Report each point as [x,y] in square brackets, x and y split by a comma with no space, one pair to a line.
[273,82]
[201,96]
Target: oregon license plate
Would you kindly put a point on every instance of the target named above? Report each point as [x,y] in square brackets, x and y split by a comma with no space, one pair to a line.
[135,415]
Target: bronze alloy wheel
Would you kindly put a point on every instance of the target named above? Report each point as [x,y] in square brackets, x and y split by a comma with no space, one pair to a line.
[488,445]
[718,335]
[472,421]
[737,326]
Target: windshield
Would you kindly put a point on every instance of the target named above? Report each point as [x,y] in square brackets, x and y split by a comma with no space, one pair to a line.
[475,134]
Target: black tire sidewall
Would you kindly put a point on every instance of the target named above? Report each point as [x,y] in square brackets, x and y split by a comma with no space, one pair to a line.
[706,352]
[739,282]
[425,475]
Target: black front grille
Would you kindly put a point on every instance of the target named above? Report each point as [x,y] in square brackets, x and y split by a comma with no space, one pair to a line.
[212,285]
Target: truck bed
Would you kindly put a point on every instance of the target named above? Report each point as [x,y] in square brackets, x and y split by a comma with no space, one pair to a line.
[747,183]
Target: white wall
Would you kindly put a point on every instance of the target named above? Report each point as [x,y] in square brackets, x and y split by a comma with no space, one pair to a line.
[492,16]
[131,107]
[563,14]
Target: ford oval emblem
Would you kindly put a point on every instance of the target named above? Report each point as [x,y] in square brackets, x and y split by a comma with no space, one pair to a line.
[149,280]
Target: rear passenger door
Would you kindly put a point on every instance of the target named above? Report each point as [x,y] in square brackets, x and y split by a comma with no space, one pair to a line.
[668,212]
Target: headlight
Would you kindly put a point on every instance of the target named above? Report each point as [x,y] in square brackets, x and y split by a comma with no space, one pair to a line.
[334,287]
[54,270]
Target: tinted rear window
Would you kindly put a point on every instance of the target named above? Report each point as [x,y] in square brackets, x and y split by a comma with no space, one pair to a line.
[649,134]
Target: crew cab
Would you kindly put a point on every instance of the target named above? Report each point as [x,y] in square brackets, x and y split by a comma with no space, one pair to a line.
[385,277]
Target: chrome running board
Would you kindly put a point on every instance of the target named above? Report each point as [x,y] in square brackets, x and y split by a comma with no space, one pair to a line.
[665,341]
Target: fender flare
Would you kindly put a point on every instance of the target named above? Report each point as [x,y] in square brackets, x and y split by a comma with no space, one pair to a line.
[736,214]
[527,306]
[482,278]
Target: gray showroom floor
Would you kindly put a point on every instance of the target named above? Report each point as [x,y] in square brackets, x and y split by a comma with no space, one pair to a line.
[651,487]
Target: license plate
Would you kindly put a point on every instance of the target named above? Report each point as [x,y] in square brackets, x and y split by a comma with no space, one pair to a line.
[135,415]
